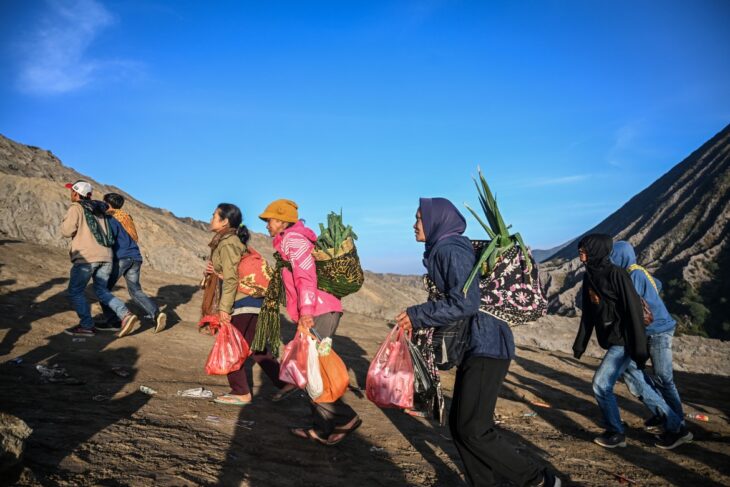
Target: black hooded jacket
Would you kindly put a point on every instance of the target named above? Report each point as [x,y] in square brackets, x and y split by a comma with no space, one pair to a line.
[617,316]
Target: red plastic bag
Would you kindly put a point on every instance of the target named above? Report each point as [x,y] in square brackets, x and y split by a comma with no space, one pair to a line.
[390,376]
[212,322]
[229,352]
[293,368]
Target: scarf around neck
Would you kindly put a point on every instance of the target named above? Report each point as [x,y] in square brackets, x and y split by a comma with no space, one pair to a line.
[125,219]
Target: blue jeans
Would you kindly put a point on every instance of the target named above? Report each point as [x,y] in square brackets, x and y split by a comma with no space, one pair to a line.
[660,351]
[130,269]
[616,363]
[81,274]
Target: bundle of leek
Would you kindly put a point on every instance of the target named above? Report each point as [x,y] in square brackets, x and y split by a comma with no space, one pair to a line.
[500,239]
[333,238]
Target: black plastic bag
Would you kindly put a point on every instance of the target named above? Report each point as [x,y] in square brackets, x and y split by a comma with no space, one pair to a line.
[424,386]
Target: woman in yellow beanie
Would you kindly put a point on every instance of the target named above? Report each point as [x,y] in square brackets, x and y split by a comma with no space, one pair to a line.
[308,306]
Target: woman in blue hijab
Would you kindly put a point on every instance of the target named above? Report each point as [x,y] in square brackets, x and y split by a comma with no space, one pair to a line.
[449,259]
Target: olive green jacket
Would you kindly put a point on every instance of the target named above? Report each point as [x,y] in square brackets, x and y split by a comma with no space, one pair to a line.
[225,260]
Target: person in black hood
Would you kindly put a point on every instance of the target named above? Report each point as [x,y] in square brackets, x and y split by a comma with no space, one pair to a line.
[612,307]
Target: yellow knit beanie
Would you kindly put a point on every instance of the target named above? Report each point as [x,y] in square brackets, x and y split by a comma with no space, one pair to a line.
[284,210]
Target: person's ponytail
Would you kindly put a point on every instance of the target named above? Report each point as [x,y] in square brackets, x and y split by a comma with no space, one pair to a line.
[235,220]
[243,234]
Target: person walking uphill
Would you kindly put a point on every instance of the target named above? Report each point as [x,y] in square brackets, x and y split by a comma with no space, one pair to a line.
[667,415]
[127,263]
[238,305]
[87,225]
[308,306]
[611,307]
[449,259]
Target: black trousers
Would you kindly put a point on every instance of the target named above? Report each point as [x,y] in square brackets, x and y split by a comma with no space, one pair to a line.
[329,415]
[482,449]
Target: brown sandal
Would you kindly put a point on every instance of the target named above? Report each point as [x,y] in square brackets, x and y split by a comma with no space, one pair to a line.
[341,430]
[307,434]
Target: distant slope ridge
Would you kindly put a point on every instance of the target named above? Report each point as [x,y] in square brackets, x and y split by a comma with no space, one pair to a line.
[33,201]
[679,227]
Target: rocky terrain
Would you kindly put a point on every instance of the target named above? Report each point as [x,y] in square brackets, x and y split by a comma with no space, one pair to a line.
[99,429]
[679,228]
[95,427]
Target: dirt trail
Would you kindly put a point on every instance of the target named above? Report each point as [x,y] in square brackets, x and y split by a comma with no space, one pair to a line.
[107,432]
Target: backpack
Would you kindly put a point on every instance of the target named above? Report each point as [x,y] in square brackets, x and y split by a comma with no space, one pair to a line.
[509,292]
[254,274]
[648,315]
[339,273]
[451,341]
[339,276]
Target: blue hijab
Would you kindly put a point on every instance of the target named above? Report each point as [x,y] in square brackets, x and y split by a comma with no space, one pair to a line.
[440,219]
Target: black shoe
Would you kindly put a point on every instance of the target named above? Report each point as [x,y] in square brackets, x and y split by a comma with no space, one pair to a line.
[108,326]
[670,440]
[550,480]
[80,331]
[611,439]
[654,425]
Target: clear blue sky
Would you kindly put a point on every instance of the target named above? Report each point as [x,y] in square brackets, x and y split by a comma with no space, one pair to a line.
[570,107]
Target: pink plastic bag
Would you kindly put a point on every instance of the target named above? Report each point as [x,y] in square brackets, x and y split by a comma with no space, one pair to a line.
[229,352]
[293,368]
[390,376]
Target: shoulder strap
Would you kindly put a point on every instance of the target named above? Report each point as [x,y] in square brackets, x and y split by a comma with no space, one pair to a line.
[251,251]
[637,267]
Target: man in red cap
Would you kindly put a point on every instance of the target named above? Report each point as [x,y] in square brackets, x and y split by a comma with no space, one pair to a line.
[87,226]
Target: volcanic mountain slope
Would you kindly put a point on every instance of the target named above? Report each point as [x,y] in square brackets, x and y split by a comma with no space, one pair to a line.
[33,201]
[679,227]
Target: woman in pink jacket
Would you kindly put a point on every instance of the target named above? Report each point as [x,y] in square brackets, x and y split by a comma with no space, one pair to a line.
[309,307]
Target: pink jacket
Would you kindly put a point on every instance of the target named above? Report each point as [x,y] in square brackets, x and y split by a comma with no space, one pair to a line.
[295,244]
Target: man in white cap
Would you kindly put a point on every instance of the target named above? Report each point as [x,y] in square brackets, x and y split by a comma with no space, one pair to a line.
[87,226]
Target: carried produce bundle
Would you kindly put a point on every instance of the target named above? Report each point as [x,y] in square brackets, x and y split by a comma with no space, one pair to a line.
[338,266]
[338,273]
[509,283]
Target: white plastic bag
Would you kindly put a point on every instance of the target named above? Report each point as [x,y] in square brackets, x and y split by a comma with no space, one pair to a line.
[315,386]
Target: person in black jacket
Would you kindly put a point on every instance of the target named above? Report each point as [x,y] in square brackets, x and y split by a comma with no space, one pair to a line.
[612,307]
[449,259]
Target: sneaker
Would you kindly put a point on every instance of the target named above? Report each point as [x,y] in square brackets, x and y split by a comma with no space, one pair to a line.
[610,439]
[80,331]
[654,425]
[128,324]
[670,440]
[160,322]
[106,326]
[550,480]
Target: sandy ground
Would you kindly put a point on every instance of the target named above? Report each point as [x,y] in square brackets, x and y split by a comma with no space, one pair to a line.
[106,432]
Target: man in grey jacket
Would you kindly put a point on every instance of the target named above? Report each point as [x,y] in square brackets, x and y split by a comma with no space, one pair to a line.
[86,225]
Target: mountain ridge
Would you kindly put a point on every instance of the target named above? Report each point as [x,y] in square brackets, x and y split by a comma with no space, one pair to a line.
[678,226]
[33,201]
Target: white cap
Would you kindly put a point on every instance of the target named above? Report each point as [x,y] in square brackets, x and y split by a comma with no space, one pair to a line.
[81,187]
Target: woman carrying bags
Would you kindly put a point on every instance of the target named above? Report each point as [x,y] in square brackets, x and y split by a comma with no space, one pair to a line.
[449,259]
[234,306]
[306,305]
